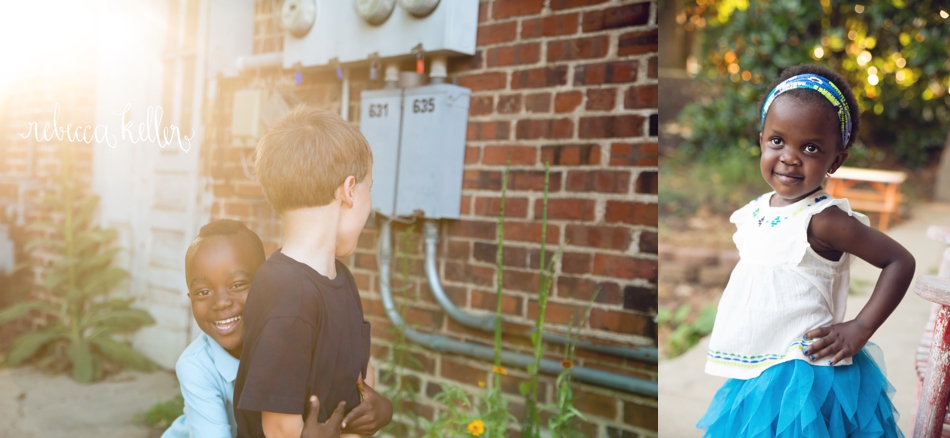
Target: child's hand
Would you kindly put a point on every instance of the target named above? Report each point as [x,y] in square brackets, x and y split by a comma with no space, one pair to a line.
[314,429]
[374,412]
[840,340]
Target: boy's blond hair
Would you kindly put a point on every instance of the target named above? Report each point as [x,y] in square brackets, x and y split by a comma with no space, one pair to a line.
[307,155]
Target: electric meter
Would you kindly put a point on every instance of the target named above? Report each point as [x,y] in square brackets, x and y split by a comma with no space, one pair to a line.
[419,8]
[374,11]
[298,16]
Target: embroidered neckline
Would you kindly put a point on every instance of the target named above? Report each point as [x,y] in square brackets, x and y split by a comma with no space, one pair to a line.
[780,217]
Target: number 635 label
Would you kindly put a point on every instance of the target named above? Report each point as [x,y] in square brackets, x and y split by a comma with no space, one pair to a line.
[423,105]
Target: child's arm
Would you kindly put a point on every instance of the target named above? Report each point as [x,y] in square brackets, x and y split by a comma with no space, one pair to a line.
[206,412]
[835,230]
[373,413]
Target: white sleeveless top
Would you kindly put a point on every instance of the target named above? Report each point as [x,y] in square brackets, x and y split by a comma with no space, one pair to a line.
[780,289]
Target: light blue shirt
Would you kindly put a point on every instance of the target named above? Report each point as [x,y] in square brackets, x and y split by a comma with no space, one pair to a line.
[206,372]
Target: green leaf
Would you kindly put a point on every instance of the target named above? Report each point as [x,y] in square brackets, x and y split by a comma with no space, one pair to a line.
[28,344]
[524,388]
[103,258]
[704,322]
[127,319]
[682,313]
[103,281]
[54,244]
[85,209]
[121,353]
[23,308]
[663,315]
[82,360]
[42,226]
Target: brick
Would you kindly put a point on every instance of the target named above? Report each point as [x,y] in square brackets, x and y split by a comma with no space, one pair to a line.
[366,261]
[481,179]
[248,190]
[714,276]
[598,236]
[519,155]
[373,307]
[367,240]
[423,317]
[568,4]
[473,229]
[583,289]
[633,213]
[519,54]
[512,256]
[654,125]
[502,9]
[592,403]
[496,33]
[223,190]
[610,126]
[484,81]
[636,14]
[566,102]
[571,155]
[652,67]
[541,77]
[243,209]
[648,242]
[613,72]
[576,263]
[637,43]
[639,415]
[644,96]
[520,280]
[614,432]
[460,372]
[458,250]
[483,12]
[601,98]
[534,258]
[509,104]
[471,274]
[498,130]
[626,154]
[620,321]
[566,209]
[621,266]
[490,206]
[465,205]
[647,182]
[578,48]
[604,181]
[544,128]
[481,105]
[467,63]
[556,313]
[510,385]
[471,154]
[533,180]
[641,299]
[531,232]
[552,25]
[511,305]
[538,103]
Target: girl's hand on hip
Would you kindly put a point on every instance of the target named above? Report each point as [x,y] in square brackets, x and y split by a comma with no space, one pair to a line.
[840,341]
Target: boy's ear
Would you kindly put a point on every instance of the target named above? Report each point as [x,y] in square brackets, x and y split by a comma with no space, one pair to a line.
[346,191]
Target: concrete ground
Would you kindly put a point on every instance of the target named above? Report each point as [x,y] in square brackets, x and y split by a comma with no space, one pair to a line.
[38,405]
[685,390]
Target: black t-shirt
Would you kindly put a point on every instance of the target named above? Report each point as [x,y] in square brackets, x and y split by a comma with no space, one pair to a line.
[304,334]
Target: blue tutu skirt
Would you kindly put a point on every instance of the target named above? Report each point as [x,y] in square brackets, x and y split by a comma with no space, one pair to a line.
[797,399]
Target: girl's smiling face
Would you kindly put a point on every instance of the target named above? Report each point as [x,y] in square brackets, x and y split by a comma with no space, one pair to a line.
[800,143]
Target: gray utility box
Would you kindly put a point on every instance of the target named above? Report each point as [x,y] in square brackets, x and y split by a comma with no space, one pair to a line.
[380,122]
[418,141]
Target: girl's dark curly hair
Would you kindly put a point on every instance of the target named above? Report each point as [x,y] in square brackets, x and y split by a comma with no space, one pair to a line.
[811,97]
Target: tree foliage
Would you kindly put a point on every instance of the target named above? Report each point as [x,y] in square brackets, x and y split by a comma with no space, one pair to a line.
[895,54]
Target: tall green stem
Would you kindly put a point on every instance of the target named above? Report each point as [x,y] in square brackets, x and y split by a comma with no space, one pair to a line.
[532,426]
[498,266]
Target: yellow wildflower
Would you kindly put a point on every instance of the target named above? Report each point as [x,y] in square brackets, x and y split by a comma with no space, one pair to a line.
[499,370]
[566,364]
[476,427]
[481,384]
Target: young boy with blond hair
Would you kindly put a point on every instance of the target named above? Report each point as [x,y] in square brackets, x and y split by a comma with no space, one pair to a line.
[303,320]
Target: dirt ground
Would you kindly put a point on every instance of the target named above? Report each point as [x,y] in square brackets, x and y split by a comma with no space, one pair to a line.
[34,404]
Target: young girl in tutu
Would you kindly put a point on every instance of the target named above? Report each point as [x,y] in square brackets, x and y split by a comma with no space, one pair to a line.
[796,368]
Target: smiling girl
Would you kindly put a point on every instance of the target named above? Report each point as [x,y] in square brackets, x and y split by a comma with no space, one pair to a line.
[796,368]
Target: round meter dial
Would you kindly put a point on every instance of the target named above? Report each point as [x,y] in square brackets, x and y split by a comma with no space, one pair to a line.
[375,12]
[298,16]
[419,8]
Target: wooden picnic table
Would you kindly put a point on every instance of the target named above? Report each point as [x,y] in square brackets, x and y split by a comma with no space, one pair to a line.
[883,196]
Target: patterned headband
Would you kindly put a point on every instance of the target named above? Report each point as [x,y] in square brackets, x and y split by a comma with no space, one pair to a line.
[826,88]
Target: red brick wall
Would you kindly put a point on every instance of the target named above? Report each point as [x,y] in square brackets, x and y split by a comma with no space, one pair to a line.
[570,82]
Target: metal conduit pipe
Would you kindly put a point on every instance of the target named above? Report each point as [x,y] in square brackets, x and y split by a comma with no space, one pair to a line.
[444,344]
[262,60]
[487,322]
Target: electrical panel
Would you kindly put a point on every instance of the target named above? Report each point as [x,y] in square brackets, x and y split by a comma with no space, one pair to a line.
[318,32]
[380,117]
[418,158]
